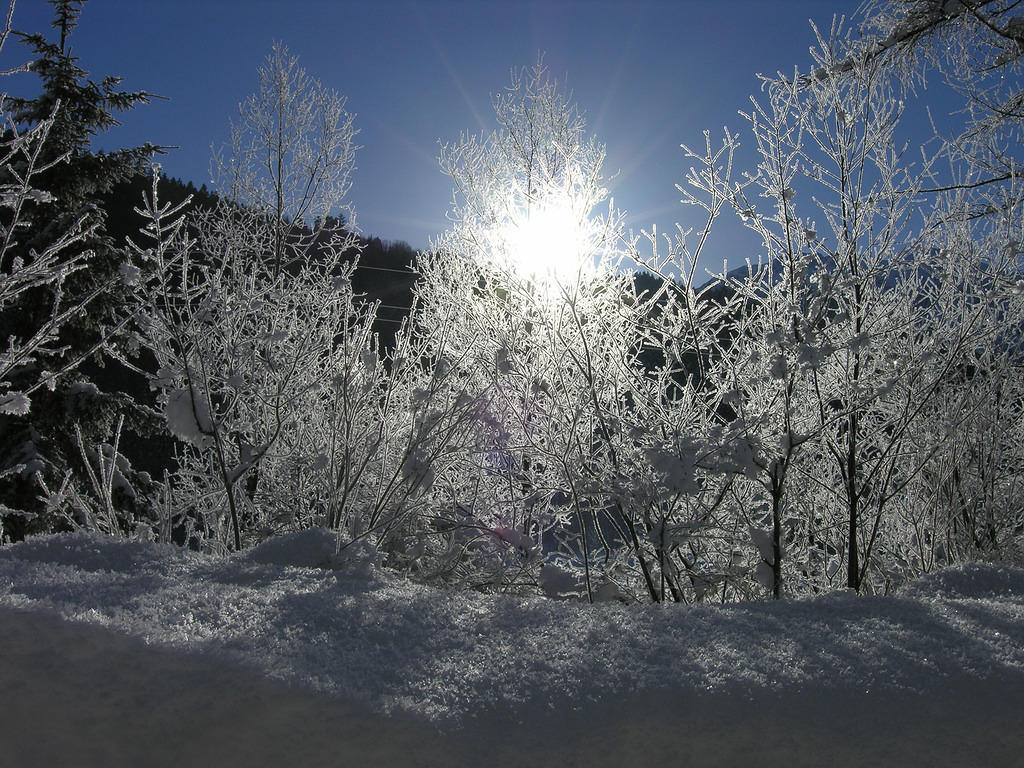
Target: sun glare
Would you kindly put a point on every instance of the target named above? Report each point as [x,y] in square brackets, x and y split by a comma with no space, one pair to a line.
[552,241]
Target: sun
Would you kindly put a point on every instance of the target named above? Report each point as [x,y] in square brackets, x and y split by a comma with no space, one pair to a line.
[551,240]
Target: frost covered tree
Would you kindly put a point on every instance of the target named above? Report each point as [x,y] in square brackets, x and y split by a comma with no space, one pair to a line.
[288,411]
[577,474]
[855,330]
[976,47]
[973,213]
[513,281]
[250,313]
[225,333]
[53,182]
[291,153]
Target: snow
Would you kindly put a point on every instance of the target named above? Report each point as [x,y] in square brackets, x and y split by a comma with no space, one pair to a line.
[188,416]
[15,403]
[310,548]
[131,653]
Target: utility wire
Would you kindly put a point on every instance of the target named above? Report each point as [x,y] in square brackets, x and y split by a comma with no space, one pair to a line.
[388,269]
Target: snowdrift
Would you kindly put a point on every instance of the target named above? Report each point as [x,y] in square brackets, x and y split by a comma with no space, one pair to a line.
[129,653]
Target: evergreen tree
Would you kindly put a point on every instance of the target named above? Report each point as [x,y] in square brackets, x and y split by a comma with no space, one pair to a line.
[80,108]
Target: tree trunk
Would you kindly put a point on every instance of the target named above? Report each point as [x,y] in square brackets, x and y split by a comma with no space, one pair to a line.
[853,558]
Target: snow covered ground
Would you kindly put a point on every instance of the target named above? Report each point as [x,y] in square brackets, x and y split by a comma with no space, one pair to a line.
[123,654]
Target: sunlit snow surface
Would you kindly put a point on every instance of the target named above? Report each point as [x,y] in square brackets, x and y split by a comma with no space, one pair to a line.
[119,653]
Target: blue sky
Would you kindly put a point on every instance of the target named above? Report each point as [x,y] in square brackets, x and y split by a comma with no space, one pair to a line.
[649,76]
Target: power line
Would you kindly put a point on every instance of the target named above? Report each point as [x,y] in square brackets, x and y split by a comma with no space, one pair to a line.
[388,269]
